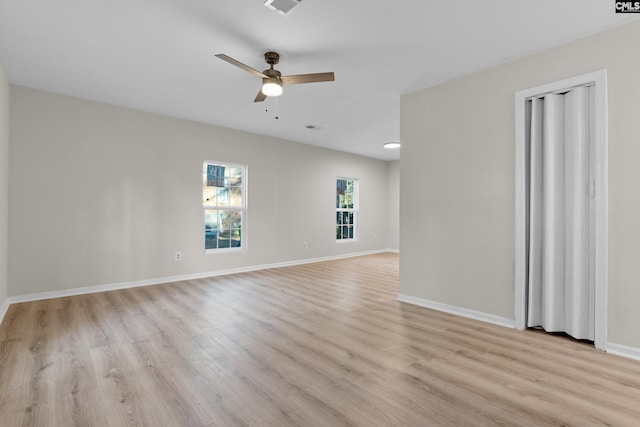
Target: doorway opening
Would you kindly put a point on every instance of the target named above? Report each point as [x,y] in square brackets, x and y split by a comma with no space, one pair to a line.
[561,208]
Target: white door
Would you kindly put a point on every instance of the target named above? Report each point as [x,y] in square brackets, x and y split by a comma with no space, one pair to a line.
[561,207]
[560,286]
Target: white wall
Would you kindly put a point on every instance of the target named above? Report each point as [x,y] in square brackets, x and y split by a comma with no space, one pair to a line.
[457,202]
[4,182]
[393,200]
[101,194]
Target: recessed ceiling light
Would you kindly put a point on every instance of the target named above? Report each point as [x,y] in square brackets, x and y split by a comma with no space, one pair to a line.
[392,145]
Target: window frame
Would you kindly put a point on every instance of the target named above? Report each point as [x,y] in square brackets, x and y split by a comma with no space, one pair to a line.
[354,210]
[217,207]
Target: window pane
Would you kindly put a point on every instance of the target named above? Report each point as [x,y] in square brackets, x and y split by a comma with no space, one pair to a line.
[341,188]
[342,202]
[348,201]
[230,219]
[211,229]
[222,196]
[209,196]
[214,175]
[230,234]
[235,196]
[235,176]
[236,238]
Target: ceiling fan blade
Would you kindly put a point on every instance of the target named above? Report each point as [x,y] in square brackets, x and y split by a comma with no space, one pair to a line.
[260,96]
[307,78]
[239,64]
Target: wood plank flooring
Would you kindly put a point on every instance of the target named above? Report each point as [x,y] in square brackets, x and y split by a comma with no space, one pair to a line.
[321,344]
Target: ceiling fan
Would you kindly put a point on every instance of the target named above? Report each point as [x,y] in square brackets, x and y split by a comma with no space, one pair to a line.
[272,80]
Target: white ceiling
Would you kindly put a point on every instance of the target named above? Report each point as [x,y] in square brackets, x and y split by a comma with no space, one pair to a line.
[158,56]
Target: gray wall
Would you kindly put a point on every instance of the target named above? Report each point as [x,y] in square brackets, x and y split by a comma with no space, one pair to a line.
[393,200]
[4,180]
[457,200]
[102,194]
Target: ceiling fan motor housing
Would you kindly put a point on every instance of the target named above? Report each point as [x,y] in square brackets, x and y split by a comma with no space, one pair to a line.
[272,73]
[271,58]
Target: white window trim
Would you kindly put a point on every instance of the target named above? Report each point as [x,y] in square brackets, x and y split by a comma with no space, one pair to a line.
[245,209]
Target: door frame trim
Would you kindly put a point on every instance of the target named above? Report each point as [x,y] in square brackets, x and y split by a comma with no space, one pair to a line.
[599,80]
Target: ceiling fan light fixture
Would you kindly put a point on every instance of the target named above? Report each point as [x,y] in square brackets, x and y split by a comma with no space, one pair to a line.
[271,87]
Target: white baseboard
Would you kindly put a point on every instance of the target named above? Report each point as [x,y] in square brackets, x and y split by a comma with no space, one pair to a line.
[3,309]
[623,350]
[458,311]
[159,280]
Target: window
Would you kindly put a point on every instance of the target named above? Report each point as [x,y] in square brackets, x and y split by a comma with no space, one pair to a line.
[346,209]
[224,199]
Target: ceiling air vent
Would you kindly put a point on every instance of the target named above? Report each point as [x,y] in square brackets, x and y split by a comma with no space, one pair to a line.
[283,7]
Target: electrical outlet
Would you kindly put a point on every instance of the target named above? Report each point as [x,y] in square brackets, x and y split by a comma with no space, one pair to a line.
[178,256]
[305,245]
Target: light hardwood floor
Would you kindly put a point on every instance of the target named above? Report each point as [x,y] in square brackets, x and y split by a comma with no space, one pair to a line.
[322,344]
